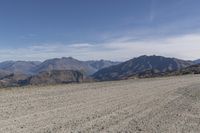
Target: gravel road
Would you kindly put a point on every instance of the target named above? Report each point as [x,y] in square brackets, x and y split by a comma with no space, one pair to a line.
[170,104]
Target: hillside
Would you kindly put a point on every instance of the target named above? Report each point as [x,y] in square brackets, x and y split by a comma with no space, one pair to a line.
[143,64]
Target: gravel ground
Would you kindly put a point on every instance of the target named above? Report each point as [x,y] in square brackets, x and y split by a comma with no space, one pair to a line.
[156,105]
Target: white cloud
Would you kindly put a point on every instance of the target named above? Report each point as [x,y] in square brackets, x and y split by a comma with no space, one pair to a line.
[184,47]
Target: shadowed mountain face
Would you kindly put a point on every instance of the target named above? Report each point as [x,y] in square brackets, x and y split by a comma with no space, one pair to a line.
[142,64]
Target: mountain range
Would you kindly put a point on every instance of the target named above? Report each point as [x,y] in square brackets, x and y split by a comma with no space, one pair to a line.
[141,66]
[52,71]
[65,63]
[68,69]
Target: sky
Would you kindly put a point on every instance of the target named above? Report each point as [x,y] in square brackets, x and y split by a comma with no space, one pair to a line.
[115,30]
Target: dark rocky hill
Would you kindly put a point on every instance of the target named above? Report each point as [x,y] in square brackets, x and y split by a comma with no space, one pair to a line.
[56,77]
[143,65]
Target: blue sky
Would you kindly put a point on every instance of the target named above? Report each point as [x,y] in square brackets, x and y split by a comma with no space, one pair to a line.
[96,29]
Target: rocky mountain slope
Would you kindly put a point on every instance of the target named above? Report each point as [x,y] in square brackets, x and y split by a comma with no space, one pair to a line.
[143,65]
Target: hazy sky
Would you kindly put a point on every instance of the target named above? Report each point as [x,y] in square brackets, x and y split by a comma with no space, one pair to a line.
[95,29]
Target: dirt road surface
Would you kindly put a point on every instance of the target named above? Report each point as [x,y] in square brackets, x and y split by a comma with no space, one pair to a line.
[156,105]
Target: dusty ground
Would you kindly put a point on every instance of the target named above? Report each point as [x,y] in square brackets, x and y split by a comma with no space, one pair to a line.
[157,105]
